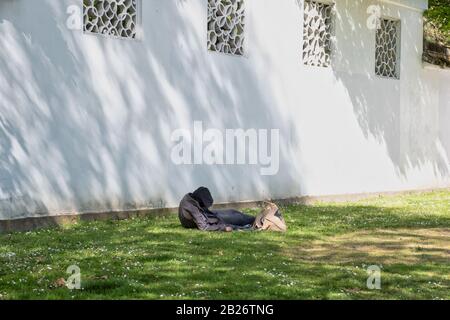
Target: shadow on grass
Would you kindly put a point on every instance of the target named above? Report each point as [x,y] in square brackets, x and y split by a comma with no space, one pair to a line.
[322,255]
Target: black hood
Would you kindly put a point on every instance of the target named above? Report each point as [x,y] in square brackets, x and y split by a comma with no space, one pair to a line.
[203,197]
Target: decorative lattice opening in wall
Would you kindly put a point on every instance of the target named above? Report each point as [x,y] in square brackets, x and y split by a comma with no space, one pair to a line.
[226,23]
[317,29]
[387,51]
[116,18]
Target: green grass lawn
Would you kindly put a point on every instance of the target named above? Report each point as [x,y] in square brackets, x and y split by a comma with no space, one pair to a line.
[324,255]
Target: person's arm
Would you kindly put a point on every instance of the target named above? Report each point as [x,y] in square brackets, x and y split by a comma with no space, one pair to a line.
[203,224]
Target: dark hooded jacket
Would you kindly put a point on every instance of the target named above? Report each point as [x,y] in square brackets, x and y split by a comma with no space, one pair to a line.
[194,212]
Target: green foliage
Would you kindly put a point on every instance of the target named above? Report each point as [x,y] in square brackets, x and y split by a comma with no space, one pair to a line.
[439,14]
[324,255]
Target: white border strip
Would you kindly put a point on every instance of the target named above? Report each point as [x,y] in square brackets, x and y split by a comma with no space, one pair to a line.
[395,3]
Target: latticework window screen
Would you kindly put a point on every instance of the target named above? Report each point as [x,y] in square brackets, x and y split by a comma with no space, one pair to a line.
[387,50]
[117,18]
[226,23]
[317,29]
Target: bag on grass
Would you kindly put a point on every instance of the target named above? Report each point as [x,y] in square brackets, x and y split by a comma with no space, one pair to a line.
[270,219]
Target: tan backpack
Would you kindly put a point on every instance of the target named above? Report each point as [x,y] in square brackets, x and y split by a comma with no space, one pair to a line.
[270,219]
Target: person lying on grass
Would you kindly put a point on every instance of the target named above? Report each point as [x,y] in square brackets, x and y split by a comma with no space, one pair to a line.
[194,213]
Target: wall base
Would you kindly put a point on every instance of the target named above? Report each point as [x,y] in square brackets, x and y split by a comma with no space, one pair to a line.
[28,224]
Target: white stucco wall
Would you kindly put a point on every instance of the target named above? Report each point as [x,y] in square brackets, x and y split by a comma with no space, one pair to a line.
[86,121]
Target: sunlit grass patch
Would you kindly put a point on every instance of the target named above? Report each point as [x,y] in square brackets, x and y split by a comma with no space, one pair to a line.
[324,255]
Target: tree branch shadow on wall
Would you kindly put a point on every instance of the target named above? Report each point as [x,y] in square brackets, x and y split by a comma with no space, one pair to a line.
[104,143]
[400,115]
[74,145]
